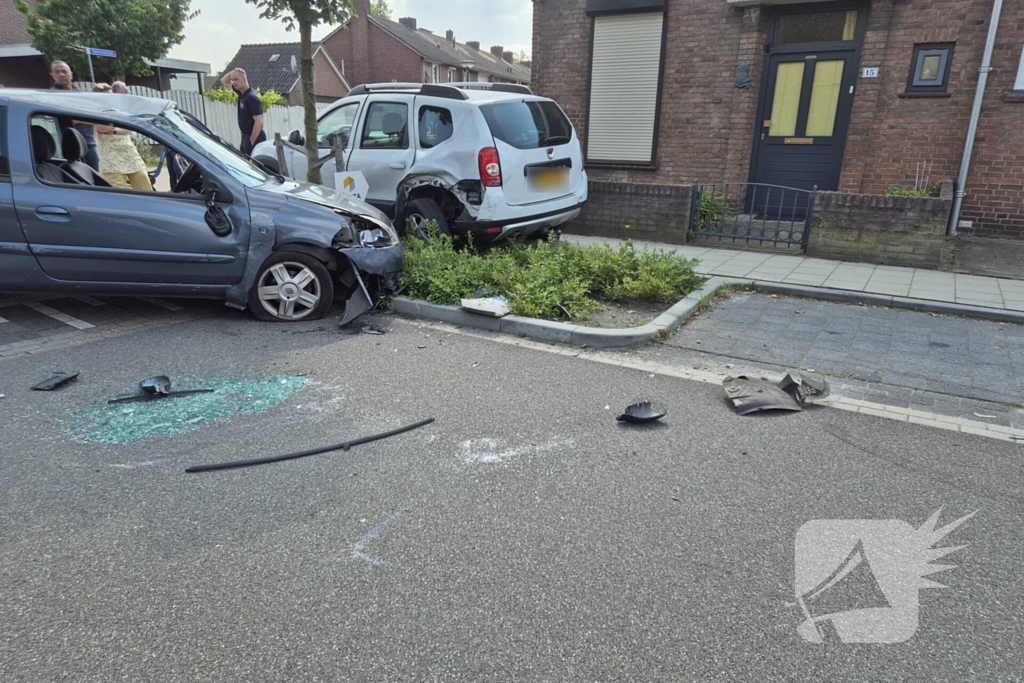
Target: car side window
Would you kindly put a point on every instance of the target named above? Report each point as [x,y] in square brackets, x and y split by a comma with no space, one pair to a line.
[122,158]
[435,126]
[386,127]
[5,161]
[337,125]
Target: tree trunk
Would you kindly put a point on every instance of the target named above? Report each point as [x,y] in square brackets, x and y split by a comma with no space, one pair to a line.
[308,98]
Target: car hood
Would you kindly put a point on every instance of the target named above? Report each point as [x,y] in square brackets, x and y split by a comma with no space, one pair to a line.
[325,196]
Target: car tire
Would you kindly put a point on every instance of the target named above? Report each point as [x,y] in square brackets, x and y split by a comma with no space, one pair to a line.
[418,212]
[291,287]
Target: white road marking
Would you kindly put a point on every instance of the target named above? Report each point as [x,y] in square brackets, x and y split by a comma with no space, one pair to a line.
[909,415]
[161,304]
[359,549]
[57,315]
[4,320]
[490,451]
[89,300]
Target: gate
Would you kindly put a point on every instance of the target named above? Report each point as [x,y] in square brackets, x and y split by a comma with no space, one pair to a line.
[752,212]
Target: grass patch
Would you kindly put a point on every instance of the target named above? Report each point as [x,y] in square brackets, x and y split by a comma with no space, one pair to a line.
[553,280]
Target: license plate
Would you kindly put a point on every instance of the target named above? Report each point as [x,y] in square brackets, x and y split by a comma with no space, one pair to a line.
[548,179]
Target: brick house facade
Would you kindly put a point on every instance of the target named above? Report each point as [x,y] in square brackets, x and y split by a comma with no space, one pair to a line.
[268,67]
[372,50]
[900,78]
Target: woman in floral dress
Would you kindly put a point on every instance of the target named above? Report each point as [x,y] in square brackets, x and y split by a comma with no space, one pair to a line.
[120,162]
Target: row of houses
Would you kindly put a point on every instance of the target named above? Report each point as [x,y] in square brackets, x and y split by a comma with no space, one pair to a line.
[857,96]
[366,49]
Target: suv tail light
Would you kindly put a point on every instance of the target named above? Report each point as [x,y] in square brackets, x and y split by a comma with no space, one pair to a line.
[490,167]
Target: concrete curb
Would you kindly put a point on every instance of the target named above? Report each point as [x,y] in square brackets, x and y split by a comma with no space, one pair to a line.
[606,338]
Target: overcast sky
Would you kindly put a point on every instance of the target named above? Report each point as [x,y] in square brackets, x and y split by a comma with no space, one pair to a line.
[222,25]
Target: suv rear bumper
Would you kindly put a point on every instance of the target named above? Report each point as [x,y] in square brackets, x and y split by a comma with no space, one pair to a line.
[493,231]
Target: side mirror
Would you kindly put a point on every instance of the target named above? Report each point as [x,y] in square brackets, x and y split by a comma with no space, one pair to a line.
[295,137]
[215,192]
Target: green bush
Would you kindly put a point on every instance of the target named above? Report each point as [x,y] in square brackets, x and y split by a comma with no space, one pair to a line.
[712,206]
[268,99]
[555,280]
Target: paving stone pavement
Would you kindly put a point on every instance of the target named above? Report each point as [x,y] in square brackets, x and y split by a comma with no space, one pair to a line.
[943,364]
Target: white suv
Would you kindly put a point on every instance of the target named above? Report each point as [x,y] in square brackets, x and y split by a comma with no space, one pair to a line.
[492,160]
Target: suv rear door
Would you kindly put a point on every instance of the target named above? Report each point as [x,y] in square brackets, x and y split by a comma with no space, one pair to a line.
[384,150]
[538,148]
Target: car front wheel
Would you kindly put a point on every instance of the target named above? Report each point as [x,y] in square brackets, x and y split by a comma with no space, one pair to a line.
[420,214]
[291,287]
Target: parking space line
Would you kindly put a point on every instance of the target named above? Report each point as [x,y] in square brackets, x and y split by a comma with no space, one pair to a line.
[162,304]
[4,320]
[89,300]
[57,315]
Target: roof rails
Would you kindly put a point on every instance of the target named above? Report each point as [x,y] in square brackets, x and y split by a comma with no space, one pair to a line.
[496,87]
[431,89]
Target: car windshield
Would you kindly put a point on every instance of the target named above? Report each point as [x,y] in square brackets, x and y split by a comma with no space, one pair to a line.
[210,148]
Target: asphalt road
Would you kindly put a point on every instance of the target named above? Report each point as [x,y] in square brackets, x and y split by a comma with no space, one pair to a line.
[523,536]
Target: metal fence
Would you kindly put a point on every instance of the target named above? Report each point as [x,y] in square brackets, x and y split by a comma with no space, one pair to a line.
[221,117]
[752,213]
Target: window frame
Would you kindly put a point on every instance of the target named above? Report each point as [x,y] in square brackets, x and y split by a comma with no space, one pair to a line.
[597,9]
[5,150]
[436,109]
[1018,84]
[939,87]
[366,123]
[355,123]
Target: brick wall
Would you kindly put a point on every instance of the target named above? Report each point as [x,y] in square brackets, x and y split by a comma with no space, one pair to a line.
[326,83]
[707,126]
[898,231]
[645,212]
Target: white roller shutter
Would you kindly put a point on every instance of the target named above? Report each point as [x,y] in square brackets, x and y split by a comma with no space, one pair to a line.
[625,71]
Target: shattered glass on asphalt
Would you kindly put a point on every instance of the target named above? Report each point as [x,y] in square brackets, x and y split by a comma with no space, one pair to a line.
[134,422]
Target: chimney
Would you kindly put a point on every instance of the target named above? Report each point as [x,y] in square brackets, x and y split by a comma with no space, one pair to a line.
[508,56]
[496,50]
[449,36]
[475,44]
[408,22]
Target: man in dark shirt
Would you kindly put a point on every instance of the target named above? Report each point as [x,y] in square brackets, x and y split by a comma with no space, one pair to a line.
[250,110]
[62,77]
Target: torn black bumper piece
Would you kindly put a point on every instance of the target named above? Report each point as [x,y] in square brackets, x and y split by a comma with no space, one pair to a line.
[55,382]
[641,413]
[756,395]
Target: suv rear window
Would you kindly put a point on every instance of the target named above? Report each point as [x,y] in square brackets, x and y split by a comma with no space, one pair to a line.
[528,125]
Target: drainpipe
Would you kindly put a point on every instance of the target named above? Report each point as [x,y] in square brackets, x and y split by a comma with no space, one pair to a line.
[972,130]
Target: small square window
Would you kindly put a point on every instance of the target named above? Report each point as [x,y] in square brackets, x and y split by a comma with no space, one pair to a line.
[929,70]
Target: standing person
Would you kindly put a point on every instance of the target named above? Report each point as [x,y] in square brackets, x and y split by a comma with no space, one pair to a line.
[63,79]
[250,110]
[120,161]
[119,88]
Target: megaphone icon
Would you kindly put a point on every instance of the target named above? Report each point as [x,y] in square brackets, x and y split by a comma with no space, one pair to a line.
[851,586]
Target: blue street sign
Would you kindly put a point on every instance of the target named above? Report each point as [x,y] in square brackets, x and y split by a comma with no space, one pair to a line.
[98,52]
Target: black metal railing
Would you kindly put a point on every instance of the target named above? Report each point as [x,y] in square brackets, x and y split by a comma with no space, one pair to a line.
[752,213]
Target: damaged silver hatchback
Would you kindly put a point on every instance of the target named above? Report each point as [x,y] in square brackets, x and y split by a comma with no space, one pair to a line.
[209,222]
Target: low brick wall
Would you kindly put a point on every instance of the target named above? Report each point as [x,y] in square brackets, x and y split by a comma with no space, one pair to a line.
[659,213]
[896,231]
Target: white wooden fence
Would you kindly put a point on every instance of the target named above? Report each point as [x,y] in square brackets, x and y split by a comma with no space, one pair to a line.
[221,117]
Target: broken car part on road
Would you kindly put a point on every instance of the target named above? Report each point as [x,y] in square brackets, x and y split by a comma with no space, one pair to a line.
[55,382]
[641,413]
[755,395]
[156,388]
[316,451]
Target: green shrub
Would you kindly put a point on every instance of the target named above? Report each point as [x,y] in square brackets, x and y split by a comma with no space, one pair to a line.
[555,280]
[712,207]
[268,99]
